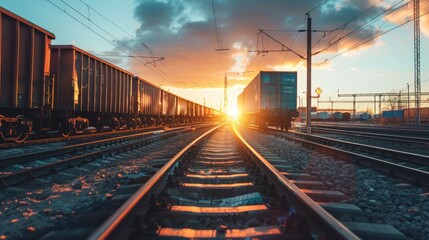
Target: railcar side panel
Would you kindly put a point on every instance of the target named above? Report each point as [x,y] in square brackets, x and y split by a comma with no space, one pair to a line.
[23,65]
[168,104]
[182,107]
[91,84]
[64,85]
[135,97]
[151,99]
[190,109]
[252,95]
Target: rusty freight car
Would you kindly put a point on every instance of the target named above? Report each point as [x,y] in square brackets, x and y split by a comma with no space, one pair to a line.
[93,91]
[26,85]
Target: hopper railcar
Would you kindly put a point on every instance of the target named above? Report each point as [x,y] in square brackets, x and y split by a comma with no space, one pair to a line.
[26,85]
[63,88]
[269,100]
[90,90]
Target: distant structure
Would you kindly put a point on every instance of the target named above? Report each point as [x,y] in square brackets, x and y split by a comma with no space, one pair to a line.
[417,86]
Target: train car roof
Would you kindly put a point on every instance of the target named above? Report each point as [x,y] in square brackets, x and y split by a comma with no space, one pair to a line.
[146,81]
[25,21]
[73,47]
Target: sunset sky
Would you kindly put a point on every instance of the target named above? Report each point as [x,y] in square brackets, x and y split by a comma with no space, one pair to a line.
[186,34]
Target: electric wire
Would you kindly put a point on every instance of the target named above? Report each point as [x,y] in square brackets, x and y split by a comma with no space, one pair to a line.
[360,27]
[116,25]
[294,40]
[157,71]
[321,4]
[376,36]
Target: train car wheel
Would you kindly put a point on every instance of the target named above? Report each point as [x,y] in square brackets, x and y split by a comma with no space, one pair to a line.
[66,129]
[21,138]
[24,127]
[114,125]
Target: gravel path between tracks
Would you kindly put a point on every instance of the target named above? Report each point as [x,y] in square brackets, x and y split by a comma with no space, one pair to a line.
[32,209]
[384,199]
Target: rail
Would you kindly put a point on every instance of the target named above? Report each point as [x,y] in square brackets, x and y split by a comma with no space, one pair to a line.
[404,172]
[115,226]
[409,156]
[401,138]
[322,222]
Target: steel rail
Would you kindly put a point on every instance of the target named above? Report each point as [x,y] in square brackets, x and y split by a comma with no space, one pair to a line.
[115,226]
[401,138]
[398,130]
[23,175]
[33,140]
[411,174]
[323,223]
[401,155]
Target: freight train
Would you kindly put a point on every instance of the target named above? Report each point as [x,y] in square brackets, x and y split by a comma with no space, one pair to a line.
[44,88]
[269,100]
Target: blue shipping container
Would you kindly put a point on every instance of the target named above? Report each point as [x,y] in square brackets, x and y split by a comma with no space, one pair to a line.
[393,114]
[278,90]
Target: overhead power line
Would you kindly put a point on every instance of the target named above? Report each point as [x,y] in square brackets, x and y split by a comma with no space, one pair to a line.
[318,6]
[119,27]
[376,36]
[360,27]
[147,63]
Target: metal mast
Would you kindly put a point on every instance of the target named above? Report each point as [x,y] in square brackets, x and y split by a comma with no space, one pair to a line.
[308,116]
[417,86]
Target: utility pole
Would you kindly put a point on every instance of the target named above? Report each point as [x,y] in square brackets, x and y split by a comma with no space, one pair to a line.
[408,102]
[308,73]
[417,86]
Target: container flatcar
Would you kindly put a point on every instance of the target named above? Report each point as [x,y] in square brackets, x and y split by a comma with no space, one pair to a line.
[26,86]
[269,100]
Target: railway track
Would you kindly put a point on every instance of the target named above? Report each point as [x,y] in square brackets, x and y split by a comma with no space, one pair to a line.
[47,206]
[220,187]
[416,145]
[422,131]
[398,139]
[375,198]
[406,165]
[22,167]
[55,137]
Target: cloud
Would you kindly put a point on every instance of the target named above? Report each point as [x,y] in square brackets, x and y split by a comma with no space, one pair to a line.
[407,13]
[184,32]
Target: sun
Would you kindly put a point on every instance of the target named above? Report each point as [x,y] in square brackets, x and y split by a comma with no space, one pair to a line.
[233,112]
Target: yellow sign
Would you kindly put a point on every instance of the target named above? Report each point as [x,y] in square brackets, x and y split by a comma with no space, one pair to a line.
[318,91]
